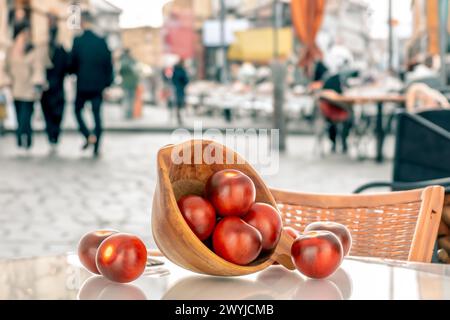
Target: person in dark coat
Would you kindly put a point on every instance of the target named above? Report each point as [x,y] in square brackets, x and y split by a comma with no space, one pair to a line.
[91,62]
[53,98]
[180,80]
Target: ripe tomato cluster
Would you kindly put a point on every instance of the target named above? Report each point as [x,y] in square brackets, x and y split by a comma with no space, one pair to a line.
[319,251]
[119,257]
[237,228]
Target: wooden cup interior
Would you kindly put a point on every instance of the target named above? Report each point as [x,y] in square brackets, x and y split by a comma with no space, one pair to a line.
[189,176]
[190,179]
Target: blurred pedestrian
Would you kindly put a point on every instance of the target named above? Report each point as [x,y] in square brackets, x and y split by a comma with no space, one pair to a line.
[91,62]
[167,90]
[339,117]
[130,81]
[3,112]
[25,68]
[180,80]
[53,98]
[320,73]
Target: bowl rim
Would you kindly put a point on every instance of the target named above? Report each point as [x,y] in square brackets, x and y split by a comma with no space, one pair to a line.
[207,252]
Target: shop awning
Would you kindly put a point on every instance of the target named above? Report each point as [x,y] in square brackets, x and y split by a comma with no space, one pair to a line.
[256,45]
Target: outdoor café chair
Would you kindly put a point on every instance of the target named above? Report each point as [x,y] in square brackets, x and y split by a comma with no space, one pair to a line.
[421,159]
[397,225]
[422,152]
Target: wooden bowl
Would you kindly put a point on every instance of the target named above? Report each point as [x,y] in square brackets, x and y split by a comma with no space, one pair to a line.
[184,169]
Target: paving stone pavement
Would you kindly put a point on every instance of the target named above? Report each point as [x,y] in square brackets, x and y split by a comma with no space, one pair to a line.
[48,202]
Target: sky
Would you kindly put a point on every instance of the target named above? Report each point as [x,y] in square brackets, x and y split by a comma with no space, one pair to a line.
[140,12]
[400,11]
[149,12]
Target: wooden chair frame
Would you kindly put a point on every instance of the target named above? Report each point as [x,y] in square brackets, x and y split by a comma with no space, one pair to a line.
[397,225]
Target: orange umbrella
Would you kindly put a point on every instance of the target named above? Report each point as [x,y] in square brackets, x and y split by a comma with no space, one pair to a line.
[307,16]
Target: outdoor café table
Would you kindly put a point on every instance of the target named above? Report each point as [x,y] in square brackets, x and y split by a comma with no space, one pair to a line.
[62,277]
[379,100]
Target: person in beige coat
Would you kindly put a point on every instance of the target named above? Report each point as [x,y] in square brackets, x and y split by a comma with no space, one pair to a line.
[25,67]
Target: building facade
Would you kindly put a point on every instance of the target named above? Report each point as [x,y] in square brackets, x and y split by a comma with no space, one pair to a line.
[200,9]
[145,44]
[346,24]
[260,13]
[4,40]
[182,32]
[36,12]
[107,24]
[424,45]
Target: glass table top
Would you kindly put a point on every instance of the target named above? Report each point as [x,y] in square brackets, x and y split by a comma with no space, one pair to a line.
[63,277]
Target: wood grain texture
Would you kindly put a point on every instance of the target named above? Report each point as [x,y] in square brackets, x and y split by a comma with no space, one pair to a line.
[171,232]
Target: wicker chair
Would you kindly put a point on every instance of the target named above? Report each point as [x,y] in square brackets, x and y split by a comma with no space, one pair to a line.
[399,225]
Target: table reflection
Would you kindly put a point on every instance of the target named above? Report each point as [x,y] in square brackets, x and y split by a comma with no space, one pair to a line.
[317,290]
[344,282]
[50,278]
[214,288]
[63,277]
[274,283]
[100,288]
